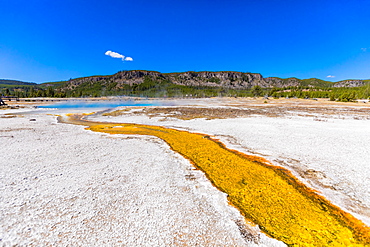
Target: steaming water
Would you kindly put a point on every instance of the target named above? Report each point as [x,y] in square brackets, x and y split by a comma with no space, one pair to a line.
[86,106]
[99,104]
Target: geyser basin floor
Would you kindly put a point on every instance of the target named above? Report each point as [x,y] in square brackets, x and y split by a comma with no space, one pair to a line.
[64,186]
[267,195]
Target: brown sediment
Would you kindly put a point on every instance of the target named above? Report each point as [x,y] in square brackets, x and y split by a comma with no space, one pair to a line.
[240,110]
[267,195]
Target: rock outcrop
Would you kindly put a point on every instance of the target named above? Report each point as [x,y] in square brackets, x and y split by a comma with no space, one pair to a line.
[224,79]
[277,82]
[120,78]
[237,80]
[349,83]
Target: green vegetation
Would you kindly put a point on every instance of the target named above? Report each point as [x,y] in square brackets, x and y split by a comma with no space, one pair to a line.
[29,91]
[160,86]
[343,94]
[257,91]
[315,81]
[14,82]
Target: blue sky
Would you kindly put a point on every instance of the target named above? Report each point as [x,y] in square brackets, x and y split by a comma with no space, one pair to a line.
[43,40]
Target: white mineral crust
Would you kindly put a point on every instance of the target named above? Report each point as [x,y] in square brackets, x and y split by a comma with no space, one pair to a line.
[61,185]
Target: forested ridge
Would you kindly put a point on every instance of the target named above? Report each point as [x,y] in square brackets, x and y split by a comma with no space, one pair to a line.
[190,84]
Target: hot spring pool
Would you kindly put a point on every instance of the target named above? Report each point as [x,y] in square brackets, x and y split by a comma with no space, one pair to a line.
[100,104]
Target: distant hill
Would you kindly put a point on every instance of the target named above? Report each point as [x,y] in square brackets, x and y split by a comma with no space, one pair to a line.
[198,84]
[222,79]
[15,82]
[351,83]
[52,84]
[190,84]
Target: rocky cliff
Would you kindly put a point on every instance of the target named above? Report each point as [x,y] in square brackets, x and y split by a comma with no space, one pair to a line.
[350,83]
[225,79]
[217,79]
[120,78]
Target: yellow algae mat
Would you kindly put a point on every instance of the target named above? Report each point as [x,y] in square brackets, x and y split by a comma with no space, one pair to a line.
[267,195]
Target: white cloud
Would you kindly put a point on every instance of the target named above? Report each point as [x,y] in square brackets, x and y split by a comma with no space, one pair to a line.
[117,55]
[364,49]
[330,76]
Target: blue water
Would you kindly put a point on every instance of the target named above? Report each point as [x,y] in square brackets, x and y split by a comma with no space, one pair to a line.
[99,104]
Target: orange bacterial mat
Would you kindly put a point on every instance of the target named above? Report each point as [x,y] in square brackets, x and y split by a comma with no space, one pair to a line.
[267,195]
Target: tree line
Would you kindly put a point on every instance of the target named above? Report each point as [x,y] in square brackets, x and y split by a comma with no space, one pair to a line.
[164,88]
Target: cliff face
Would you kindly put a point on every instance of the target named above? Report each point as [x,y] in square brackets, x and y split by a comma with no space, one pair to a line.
[349,83]
[213,79]
[119,79]
[217,79]
[277,82]
[135,76]
[225,79]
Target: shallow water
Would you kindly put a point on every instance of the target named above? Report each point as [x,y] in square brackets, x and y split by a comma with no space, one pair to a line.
[100,104]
